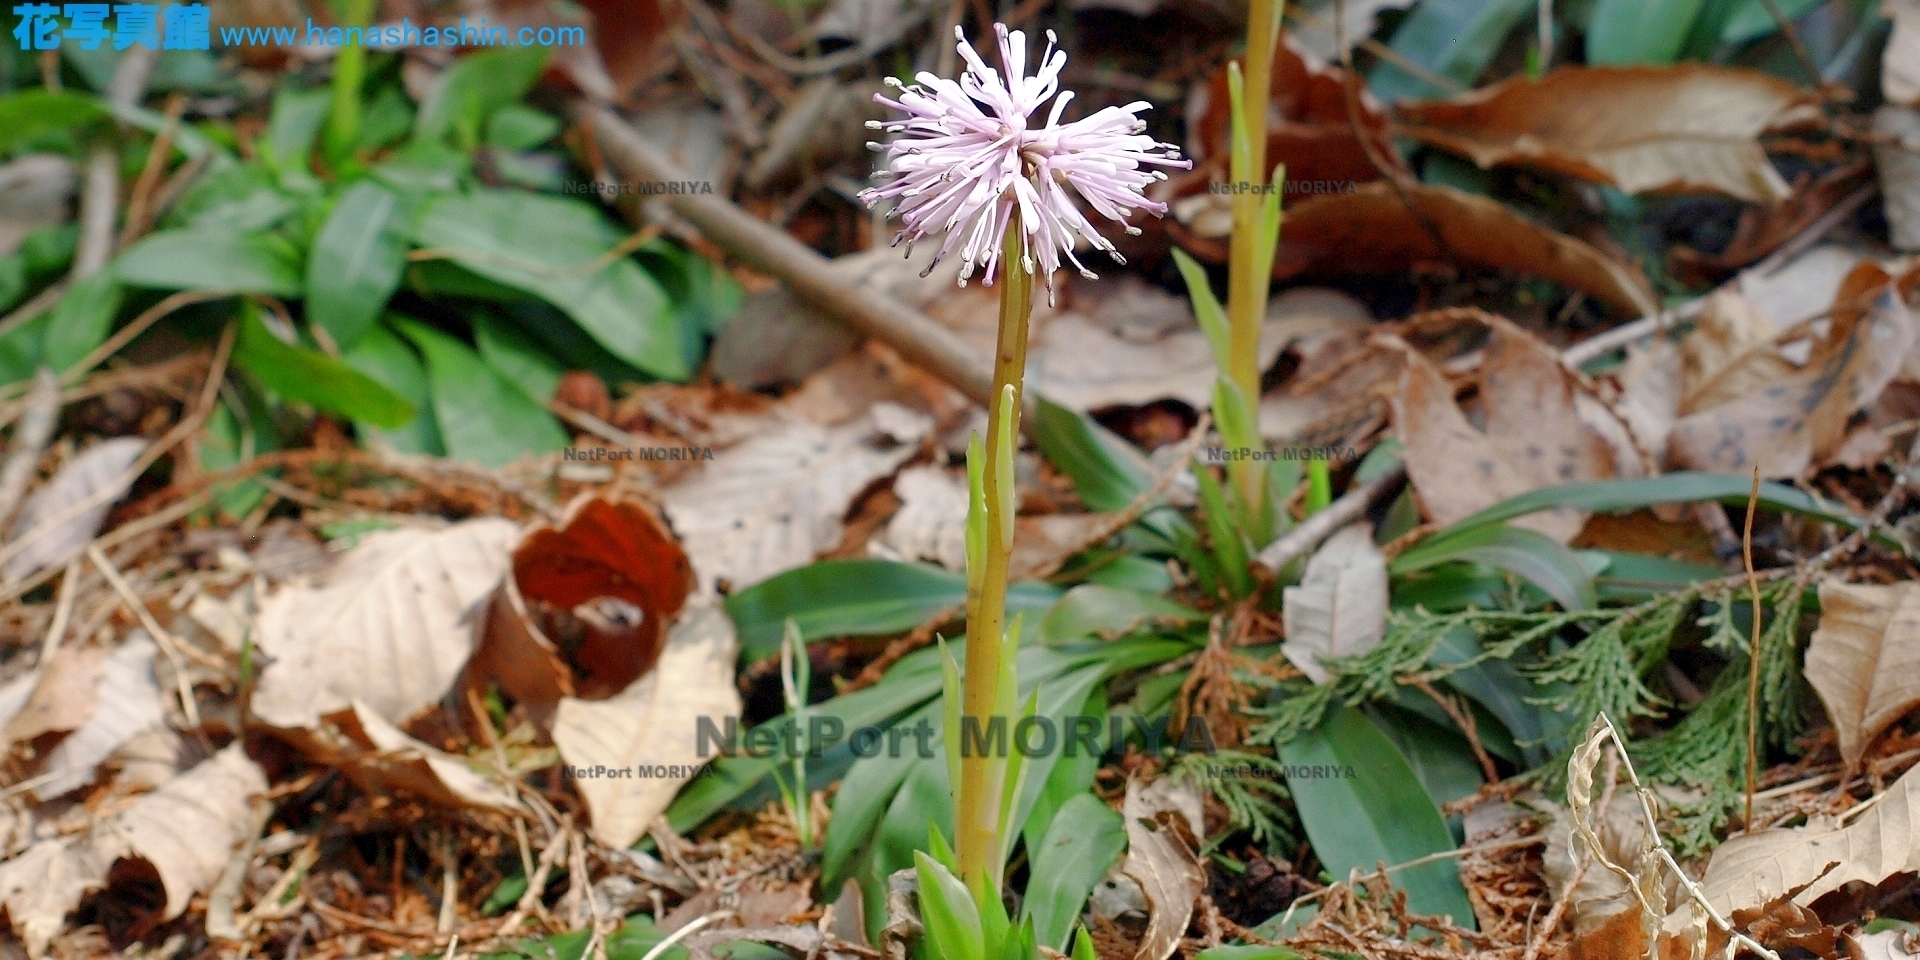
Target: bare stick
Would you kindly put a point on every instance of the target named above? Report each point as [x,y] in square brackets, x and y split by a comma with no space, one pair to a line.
[62,611]
[1753,651]
[537,884]
[167,642]
[29,442]
[1310,532]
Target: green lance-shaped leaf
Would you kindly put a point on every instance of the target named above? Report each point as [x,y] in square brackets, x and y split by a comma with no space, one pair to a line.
[1268,239]
[976,515]
[1016,777]
[950,705]
[1206,306]
[1235,415]
[947,909]
[1240,157]
[1009,408]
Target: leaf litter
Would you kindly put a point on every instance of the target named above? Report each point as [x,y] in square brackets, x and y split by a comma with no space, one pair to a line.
[464,669]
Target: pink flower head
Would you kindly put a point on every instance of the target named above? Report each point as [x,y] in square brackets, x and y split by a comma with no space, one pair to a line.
[966,155]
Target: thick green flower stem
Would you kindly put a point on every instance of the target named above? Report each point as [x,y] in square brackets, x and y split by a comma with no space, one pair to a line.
[977,825]
[1246,284]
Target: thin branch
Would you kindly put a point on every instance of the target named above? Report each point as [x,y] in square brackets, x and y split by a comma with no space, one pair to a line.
[1311,531]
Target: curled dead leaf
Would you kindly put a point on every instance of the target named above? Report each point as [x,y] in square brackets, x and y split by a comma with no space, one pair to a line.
[1640,129]
[606,580]
[188,828]
[128,702]
[1339,608]
[1162,821]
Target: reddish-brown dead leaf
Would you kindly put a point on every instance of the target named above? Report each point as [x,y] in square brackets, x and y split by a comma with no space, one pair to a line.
[1691,127]
[1309,126]
[1381,229]
[632,39]
[613,572]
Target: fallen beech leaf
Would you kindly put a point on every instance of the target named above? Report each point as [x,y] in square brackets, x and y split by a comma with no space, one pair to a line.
[931,523]
[1162,822]
[93,472]
[1789,423]
[601,549]
[777,500]
[1372,230]
[188,828]
[393,759]
[130,703]
[1309,127]
[64,695]
[1601,897]
[1619,936]
[391,625]
[652,724]
[1640,129]
[1534,434]
[1754,868]
[1900,62]
[41,886]
[1339,608]
[1864,659]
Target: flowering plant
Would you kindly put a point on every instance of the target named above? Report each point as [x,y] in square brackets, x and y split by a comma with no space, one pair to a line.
[967,161]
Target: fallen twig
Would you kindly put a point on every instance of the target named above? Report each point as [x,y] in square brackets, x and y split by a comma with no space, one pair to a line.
[1354,503]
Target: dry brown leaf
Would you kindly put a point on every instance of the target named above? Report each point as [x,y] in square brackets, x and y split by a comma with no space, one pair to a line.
[1898,158]
[777,500]
[41,886]
[1900,62]
[1687,127]
[1534,435]
[1601,895]
[1788,421]
[391,625]
[1309,128]
[632,37]
[1373,230]
[1315,31]
[653,724]
[130,703]
[64,695]
[90,474]
[614,573]
[1162,822]
[389,757]
[1801,289]
[1650,384]
[188,828]
[1864,659]
[1755,868]
[1339,609]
